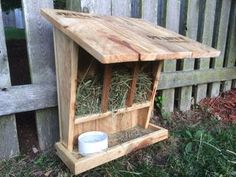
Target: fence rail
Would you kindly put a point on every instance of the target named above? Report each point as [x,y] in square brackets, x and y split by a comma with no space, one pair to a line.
[211,22]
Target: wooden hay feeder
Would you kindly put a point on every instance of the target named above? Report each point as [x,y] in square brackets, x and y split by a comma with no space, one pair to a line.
[81,39]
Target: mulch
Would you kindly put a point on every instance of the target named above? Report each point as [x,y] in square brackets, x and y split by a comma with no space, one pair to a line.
[222,106]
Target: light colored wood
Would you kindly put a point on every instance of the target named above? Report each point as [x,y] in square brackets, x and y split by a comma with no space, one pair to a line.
[79,27]
[80,164]
[41,62]
[222,32]
[231,44]
[113,123]
[207,36]
[106,87]
[132,89]
[187,78]
[9,145]
[149,10]
[121,8]
[67,84]
[185,99]
[24,98]
[157,72]
[79,120]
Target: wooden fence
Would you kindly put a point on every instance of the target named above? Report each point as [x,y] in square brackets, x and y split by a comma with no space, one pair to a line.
[13,18]
[182,83]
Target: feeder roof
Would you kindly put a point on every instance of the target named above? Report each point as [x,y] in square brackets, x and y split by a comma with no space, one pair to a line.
[118,39]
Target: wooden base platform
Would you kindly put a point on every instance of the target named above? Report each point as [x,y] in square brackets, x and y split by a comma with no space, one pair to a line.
[78,164]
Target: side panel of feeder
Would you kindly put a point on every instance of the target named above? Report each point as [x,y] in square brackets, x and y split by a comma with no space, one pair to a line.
[66,54]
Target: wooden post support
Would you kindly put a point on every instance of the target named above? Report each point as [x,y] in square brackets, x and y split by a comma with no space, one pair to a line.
[65,48]
[157,73]
[106,87]
[132,90]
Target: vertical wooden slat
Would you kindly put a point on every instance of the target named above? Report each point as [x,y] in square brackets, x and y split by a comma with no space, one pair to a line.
[73,5]
[41,60]
[106,87]
[9,145]
[207,35]
[157,72]
[121,8]
[149,10]
[101,7]
[188,64]
[132,90]
[66,50]
[221,42]
[136,8]
[172,23]
[230,58]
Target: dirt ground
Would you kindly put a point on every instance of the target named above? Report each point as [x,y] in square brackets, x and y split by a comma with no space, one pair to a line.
[20,75]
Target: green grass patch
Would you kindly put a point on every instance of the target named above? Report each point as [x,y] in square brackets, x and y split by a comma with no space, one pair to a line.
[199,145]
[14,33]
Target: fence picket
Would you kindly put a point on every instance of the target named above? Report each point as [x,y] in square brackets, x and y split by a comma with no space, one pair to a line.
[206,38]
[188,64]
[149,10]
[231,45]
[221,42]
[102,7]
[121,8]
[172,23]
[41,60]
[9,145]
[73,5]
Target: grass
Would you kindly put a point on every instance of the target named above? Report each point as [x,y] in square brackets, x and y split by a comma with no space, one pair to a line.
[199,145]
[14,33]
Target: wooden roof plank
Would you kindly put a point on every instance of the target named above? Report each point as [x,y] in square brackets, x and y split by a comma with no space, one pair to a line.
[118,39]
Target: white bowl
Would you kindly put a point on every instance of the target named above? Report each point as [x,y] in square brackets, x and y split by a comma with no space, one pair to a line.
[92,142]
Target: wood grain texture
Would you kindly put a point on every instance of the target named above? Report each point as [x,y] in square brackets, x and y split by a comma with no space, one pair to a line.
[66,50]
[132,89]
[106,87]
[124,35]
[27,98]
[156,72]
[220,44]
[188,64]
[172,23]
[187,78]
[41,60]
[121,120]
[207,36]
[9,145]
[230,57]
[80,164]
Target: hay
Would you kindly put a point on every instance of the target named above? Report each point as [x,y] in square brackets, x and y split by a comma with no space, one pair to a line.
[88,96]
[121,78]
[144,84]
[89,91]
